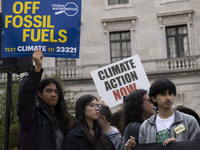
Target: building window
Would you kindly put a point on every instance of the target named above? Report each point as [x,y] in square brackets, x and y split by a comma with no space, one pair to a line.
[116,2]
[177,41]
[119,38]
[120,45]
[65,62]
[176,34]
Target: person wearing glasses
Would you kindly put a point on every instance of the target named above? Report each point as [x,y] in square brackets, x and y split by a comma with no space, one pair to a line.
[87,133]
[137,108]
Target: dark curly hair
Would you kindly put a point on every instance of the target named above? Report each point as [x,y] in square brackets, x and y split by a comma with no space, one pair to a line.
[132,108]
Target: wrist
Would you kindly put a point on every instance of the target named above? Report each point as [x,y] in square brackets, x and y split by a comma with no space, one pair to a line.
[37,68]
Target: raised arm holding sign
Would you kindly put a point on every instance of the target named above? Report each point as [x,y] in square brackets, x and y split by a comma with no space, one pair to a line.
[46,122]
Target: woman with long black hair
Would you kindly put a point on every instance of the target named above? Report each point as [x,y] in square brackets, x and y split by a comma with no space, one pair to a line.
[44,125]
[87,133]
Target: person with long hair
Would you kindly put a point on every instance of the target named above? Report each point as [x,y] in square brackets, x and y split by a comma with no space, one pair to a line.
[137,108]
[87,133]
[44,125]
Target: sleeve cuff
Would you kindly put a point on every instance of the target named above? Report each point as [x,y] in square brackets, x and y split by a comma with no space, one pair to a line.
[34,74]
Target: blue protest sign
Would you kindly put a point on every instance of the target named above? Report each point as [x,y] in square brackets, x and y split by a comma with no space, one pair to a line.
[50,25]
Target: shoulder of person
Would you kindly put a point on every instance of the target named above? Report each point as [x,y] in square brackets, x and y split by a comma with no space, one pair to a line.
[183,115]
[106,137]
[135,125]
[149,121]
[113,130]
[110,141]
[187,117]
[71,134]
[144,125]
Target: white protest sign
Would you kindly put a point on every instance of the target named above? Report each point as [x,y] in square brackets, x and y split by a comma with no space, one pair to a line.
[119,79]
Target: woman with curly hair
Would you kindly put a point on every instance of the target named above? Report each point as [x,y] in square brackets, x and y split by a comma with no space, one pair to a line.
[137,108]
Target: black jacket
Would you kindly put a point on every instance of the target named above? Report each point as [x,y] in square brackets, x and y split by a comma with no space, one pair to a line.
[37,131]
[132,129]
[77,140]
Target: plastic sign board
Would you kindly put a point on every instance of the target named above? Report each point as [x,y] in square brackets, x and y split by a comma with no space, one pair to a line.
[119,79]
[50,25]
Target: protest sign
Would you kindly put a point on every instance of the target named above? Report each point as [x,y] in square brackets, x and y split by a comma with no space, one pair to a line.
[119,79]
[49,25]
[180,145]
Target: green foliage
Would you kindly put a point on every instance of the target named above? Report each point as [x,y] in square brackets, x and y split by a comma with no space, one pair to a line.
[14,126]
[70,98]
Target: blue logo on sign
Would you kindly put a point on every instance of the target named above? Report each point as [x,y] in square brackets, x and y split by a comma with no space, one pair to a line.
[70,9]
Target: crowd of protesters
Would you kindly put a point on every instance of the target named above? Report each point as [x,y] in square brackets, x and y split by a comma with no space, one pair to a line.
[45,122]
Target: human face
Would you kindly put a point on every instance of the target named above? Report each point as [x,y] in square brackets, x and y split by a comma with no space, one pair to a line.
[50,95]
[164,100]
[148,106]
[92,111]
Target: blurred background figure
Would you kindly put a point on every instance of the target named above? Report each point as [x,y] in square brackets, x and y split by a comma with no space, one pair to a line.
[104,120]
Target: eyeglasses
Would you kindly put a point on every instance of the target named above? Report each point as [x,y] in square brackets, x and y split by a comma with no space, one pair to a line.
[93,105]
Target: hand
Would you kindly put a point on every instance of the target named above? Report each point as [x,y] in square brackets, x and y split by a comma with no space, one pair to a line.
[130,143]
[100,101]
[37,57]
[169,140]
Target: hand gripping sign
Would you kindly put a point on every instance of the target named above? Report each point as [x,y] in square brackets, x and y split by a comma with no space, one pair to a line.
[49,25]
[119,79]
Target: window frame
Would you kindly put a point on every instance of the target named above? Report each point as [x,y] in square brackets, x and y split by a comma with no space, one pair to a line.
[106,6]
[176,39]
[120,41]
[118,2]
[66,60]
[117,25]
[175,19]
